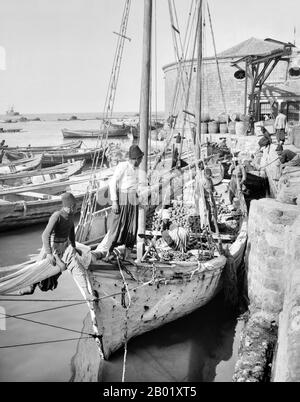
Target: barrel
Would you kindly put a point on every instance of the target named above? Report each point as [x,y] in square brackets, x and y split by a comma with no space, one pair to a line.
[223,128]
[204,128]
[231,127]
[213,127]
[241,127]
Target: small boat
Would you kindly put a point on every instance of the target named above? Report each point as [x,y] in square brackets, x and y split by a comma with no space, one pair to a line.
[114,130]
[11,111]
[31,179]
[12,156]
[21,208]
[21,165]
[45,148]
[54,158]
[10,130]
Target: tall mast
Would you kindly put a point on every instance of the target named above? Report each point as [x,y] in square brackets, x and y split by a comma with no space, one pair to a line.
[144,113]
[198,102]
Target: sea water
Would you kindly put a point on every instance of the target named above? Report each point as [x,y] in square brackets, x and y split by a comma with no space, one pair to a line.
[200,347]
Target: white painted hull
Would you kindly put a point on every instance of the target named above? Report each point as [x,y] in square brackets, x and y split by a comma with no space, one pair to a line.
[175,293]
[152,305]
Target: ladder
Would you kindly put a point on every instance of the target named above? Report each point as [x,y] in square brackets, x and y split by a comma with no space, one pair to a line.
[114,76]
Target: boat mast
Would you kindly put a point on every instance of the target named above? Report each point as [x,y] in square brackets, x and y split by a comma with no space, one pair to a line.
[144,115]
[198,102]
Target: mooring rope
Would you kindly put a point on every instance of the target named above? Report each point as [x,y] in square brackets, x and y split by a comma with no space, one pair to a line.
[126,318]
[45,310]
[46,324]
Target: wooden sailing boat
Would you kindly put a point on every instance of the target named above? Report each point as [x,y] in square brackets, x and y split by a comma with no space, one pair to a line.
[21,165]
[41,149]
[113,131]
[143,292]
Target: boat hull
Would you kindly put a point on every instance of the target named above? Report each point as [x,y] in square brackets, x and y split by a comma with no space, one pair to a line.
[55,158]
[34,207]
[14,215]
[178,290]
[112,132]
[21,165]
[41,149]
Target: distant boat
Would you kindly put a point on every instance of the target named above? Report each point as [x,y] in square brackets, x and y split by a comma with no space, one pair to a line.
[12,112]
[54,158]
[114,130]
[45,148]
[10,130]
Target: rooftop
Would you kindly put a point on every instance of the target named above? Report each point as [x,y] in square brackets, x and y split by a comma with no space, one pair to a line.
[252,47]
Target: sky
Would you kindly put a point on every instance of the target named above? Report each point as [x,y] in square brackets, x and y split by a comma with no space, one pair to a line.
[56,55]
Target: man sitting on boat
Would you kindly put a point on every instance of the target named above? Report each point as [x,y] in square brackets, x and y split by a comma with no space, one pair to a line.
[287,157]
[56,237]
[123,221]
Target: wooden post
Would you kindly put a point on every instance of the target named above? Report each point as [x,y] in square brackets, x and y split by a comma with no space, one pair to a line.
[199,82]
[246,87]
[144,115]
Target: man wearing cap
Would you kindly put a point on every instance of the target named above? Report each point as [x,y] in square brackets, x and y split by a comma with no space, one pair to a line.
[123,221]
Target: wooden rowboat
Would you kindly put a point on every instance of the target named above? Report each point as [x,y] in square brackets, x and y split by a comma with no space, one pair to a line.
[24,208]
[112,131]
[54,158]
[28,181]
[41,149]
[21,165]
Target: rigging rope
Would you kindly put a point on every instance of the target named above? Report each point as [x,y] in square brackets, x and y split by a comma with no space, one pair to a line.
[217,61]
[44,342]
[45,324]
[45,310]
[126,318]
[179,80]
[89,202]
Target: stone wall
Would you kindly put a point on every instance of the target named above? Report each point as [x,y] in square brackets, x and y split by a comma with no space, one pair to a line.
[287,360]
[273,260]
[233,89]
[270,223]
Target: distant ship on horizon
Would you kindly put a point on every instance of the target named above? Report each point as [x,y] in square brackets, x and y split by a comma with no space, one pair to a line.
[11,111]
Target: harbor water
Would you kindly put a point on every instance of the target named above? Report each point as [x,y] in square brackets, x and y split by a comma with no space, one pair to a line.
[200,347]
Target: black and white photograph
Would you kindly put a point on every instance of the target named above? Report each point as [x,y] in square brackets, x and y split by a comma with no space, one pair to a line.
[149,194]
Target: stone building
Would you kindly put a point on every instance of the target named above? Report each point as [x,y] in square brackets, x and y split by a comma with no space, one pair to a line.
[281,89]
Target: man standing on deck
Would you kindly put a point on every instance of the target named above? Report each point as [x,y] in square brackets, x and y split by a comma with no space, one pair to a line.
[280,127]
[123,221]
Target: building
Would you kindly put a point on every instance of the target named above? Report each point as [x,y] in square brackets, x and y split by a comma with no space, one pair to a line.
[281,88]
